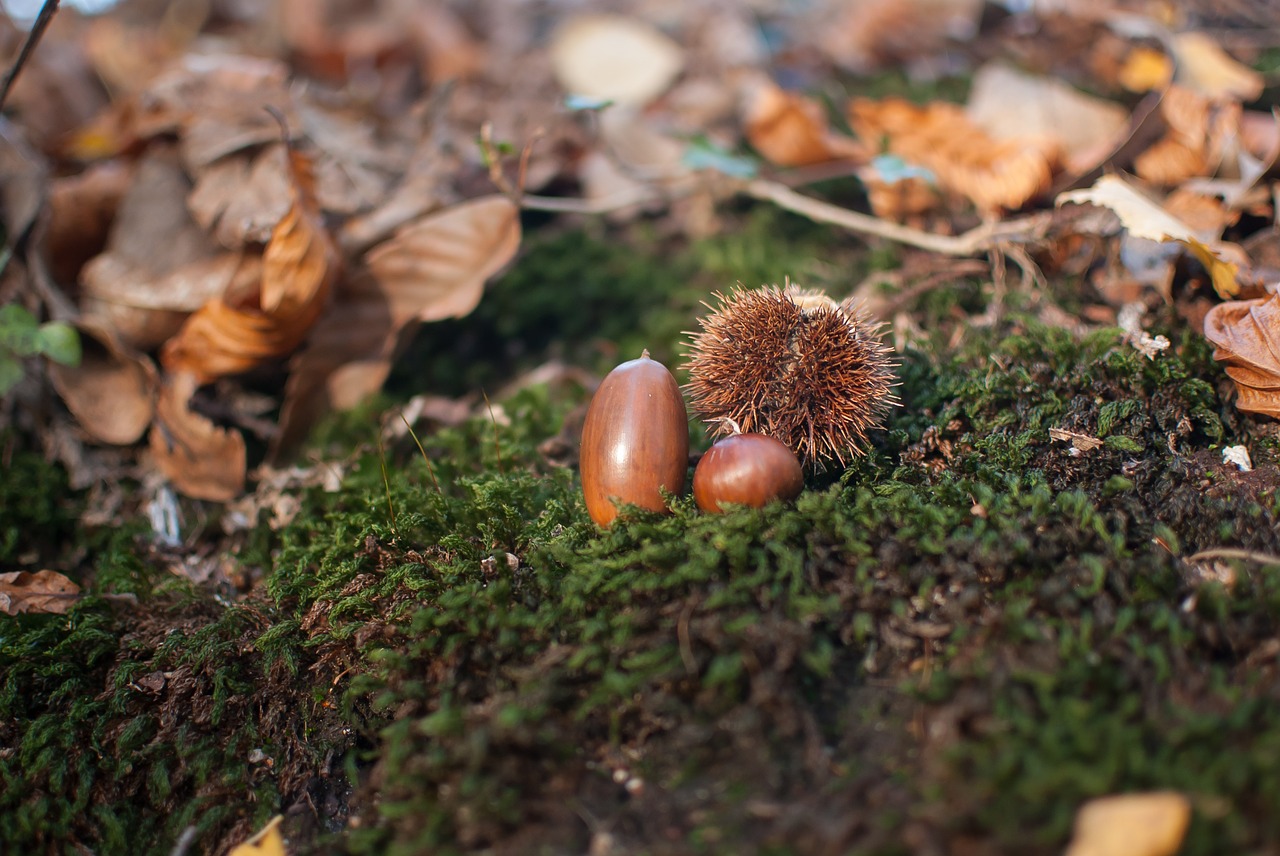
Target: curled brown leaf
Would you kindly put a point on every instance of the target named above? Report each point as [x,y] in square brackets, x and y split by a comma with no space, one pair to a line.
[199,458]
[1246,337]
[250,326]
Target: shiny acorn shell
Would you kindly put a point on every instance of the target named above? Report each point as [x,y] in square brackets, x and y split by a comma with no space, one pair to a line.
[635,442]
[746,469]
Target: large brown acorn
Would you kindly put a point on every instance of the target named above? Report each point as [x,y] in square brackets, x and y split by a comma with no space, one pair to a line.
[746,469]
[635,442]
[794,365]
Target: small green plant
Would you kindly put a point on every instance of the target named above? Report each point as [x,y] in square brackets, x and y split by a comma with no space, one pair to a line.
[22,336]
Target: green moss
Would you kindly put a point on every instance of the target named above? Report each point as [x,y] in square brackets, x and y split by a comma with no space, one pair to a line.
[962,635]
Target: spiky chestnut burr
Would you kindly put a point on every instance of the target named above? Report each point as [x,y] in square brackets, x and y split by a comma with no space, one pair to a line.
[795,365]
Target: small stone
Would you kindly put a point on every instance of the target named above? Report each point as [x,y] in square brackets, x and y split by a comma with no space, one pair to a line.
[1239,456]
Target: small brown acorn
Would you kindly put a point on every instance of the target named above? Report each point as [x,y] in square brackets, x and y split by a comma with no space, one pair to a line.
[635,441]
[794,365]
[746,469]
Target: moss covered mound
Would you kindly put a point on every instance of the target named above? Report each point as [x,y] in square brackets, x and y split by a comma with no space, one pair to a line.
[944,648]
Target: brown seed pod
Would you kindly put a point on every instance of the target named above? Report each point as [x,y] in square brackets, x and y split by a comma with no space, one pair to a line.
[746,469]
[635,441]
[794,365]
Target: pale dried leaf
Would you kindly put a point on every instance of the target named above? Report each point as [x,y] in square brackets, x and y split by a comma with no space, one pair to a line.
[1204,66]
[110,391]
[1079,442]
[42,591]
[1008,105]
[243,330]
[200,459]
[1150,824]
[1144,218]
[614,58]
[144,309]
[240,199]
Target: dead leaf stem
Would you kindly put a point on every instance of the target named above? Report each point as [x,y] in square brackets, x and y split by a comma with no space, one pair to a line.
[42,22]
[976,241]
[1235,553]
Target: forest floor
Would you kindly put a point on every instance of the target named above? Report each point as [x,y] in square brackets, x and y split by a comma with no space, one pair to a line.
[1042,582]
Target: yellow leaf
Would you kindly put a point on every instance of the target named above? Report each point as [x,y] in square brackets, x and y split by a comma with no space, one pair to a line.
[1220,270]
[1145,69]
[1145,218]
[1205,67]
[1151,824]
[267,842]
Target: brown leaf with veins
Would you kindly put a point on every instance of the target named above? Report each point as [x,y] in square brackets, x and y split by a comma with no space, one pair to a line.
[199,458]
[433,268]
[43,591]
[250,326]
[1246,338]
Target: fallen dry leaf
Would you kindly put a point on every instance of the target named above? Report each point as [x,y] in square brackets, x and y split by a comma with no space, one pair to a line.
[614,58]
[266,842]
[431,269]
[1144,218]
[992,174]
[436,268]
[1009,105]
[1201,136]
[110,392]
[81,210]
[1145,69]
[791,130]
[1246,338]
[1204,66]
[248,327]
[873,34]
[200,459]
[43,591]
[158,265]
[1151,824]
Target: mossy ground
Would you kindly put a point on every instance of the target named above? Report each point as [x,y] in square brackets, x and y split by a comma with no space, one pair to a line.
[945,648]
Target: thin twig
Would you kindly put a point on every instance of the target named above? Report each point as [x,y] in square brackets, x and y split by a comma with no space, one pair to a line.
[975,241]
[1235,553]
[28,47]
